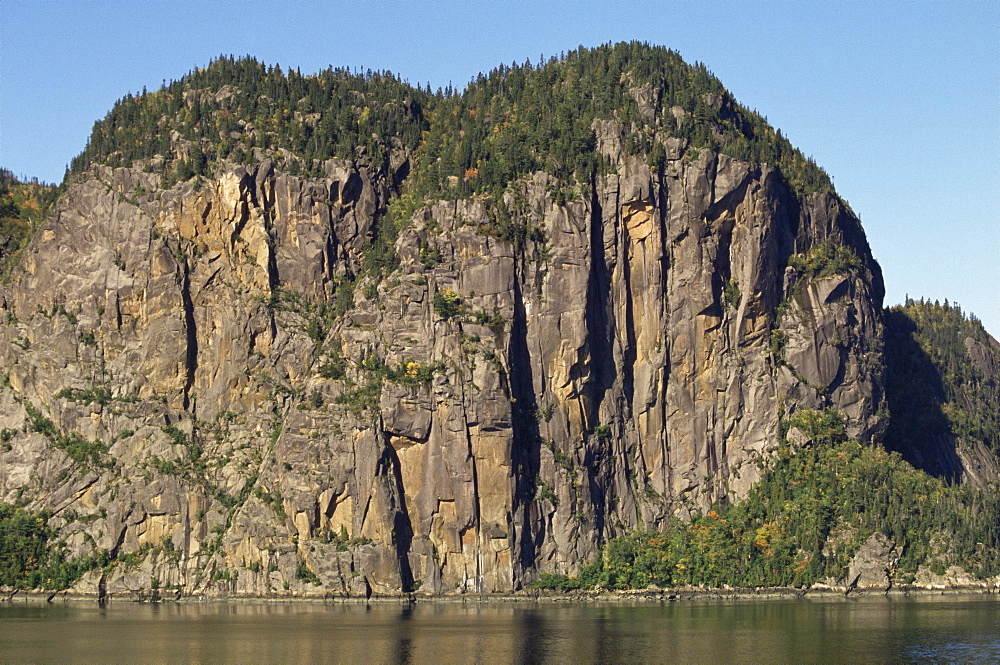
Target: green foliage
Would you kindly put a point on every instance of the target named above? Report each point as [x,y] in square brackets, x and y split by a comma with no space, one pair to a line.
[96,395]
[30,555]
[557,582]
[408,372]
[22,206]
[196,463]
[316,317]
[342,539]
[776,345]
[564,460]
[232,106]
[362,398]
[131,559]
[379,257]
[272,500]
[731,294]
[826,258]
[411,372]
[334,368]
[24,538]
[825,427]
[275,434]
[513,121]
[937,392]
[780,534]
[343,297]
[524,118]
[447,304]
[164,467]
[370,291]
[546,493]
[177,437]
[82,451]
[224,575]
[39,422]
[304,574]
[482,317]
[430,255]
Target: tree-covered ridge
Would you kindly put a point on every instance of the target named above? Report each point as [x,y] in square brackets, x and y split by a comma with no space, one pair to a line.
[942,379]
[805,520]
[233,106]
[510,122]
[523,118]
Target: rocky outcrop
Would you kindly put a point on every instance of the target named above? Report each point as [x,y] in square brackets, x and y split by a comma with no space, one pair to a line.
[207,383]
[873,565]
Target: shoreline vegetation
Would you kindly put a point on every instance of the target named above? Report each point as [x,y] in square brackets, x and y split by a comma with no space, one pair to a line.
[649,595]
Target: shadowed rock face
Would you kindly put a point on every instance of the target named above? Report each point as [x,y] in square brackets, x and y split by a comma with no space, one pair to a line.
[488,411]
[943,392]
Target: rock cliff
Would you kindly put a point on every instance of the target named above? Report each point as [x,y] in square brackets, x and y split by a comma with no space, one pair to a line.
[204,381]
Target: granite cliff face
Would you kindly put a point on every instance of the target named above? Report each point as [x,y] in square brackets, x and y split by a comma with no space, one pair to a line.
[203,380]
[575,389]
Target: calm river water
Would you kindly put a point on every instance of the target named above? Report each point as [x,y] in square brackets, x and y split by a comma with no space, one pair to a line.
[958,629]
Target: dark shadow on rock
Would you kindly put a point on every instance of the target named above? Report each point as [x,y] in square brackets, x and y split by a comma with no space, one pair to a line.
[526,451]
[918,427]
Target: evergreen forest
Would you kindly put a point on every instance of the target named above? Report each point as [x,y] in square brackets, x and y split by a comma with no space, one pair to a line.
[512,121]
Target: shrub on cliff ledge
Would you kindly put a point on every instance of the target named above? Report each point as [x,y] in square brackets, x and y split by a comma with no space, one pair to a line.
[447,304]
[825,259]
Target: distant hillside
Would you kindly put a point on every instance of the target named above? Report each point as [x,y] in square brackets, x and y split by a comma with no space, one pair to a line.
[943,391]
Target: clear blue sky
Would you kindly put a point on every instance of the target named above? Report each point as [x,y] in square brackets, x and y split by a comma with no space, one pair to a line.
[898,101]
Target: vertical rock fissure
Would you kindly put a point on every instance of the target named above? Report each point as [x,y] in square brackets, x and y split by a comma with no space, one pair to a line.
[633,463]
[600,342]
[476,502]
[330,248]
[402,529]
[599,328]
[629,352]
[273,279]
[191,331]
[663,197]
[526,448]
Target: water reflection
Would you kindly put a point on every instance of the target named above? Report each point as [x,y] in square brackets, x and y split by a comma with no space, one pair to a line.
[948,629]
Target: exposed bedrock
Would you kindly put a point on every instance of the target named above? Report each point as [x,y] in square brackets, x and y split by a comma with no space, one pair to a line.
[279,421]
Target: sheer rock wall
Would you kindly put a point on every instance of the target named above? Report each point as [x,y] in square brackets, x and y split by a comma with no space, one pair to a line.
[496,407]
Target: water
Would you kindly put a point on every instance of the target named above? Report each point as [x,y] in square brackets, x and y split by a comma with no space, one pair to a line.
[935,629]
